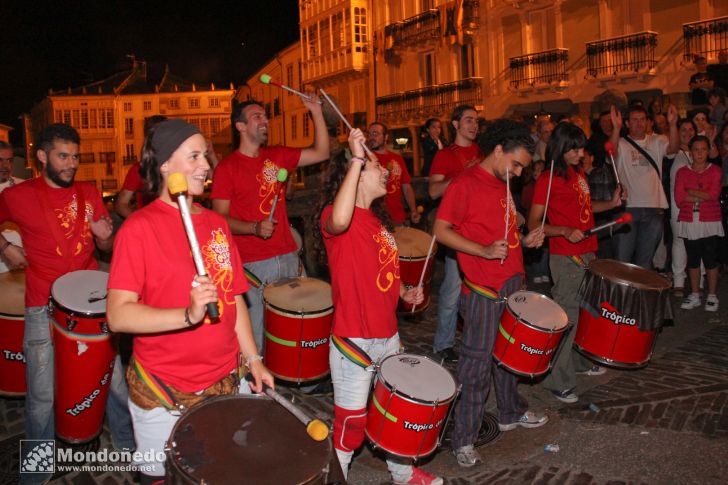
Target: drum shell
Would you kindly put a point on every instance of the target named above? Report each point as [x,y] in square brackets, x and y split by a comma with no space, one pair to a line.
[84,363]
[525,348]
[410,270]
[282,447]
[616,345]
[12,360]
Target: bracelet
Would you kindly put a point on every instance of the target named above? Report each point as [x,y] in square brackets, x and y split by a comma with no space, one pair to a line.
[252,358]
[255,228]
[187,318]
[359,159]
[5,246]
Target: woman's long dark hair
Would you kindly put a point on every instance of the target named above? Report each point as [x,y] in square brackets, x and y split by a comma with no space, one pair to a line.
[565,137]
[148,165]
[332,180]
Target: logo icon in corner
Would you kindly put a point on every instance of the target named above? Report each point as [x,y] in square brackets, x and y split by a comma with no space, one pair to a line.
[37,456]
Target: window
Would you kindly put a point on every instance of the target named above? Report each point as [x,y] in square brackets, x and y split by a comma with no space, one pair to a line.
[127,106]
[58,116]
[129,126]
[75,118]
[194,103]
[109,184]
[294,126]
[93,123]
[312,41]
[173,103]
[325,36]
[276,107]
[214,102]
[289,77]
[107,118]
[147,105]
[204,124]
[360,29]
[466,61]
[338,37]
[84,119]
[306,120]
[86,158]
[427,67]
[130,156]
[67,116]
[215,125]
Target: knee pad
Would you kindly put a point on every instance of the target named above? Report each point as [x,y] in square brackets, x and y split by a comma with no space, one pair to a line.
[349,427]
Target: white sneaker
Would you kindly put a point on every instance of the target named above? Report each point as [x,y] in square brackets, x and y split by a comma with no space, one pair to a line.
[467,456]
[711,303]
[537,279]
[692,301]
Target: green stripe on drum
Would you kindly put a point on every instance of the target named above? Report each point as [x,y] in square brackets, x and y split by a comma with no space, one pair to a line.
[287,343]
[381,410]
[505,334]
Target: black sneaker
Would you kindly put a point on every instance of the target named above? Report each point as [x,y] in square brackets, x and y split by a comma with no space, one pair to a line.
[447,355]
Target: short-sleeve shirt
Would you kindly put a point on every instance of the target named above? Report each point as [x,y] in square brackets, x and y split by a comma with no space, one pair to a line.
[250,184]
[398,175]
[453,159]
[643,183]
[569,206]
[475,204]
[135,183]
[152,258]
[57,239]
[365,280]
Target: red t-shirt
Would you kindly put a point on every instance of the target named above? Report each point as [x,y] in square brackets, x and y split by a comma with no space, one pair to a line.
[135,183]
[453,159]
[570,206]
[152,258]
[475,204]
[56,242]
[364,264]
[398,175]
[250,185]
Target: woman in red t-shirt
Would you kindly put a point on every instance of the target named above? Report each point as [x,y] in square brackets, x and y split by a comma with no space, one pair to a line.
[180,357]
[365,282]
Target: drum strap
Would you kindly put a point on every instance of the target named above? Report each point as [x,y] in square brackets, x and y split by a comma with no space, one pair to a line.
[484,291]
[159,388]
[578,260]
[352,351]
[253,280]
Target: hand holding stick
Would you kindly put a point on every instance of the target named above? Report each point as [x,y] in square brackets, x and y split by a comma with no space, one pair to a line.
[424,268]
[281,177]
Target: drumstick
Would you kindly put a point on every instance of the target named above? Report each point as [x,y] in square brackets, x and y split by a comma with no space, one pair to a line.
[281,177]
[424,269]
[267,79]
[609,148]
[508,206]
[548,194]
[315,428]
[343,118]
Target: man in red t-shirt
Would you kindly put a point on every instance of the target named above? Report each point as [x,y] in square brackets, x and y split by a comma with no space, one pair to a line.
[448,164]
[61,222]
[570,212]
[243,189]
[472,220]
[398,181]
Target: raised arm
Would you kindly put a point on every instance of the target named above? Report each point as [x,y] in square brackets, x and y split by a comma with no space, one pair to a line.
[345,199]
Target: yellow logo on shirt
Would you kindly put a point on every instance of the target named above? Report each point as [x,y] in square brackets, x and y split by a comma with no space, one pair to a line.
[387,255]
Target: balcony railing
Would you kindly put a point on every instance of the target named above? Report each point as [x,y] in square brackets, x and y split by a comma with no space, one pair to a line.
[705,38]
[423,103]
[345,58]
[539,68]
[633,53]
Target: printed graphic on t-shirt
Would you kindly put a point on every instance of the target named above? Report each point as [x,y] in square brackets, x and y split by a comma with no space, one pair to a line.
[582,189]
[216,253]
[637,158]
[388,260]
[67,218]
[268,180]
[395,176]
[512,221]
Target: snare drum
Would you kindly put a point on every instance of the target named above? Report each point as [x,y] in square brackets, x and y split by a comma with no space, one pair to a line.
[298,316]
[245,439]
[529,333]
[84,354]
[622,308]
[409,406]
[413,245]
[12,321]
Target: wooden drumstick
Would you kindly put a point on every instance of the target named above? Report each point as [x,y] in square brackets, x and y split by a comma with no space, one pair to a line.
[424,269]
[548,194]
[315,428]
[508,206]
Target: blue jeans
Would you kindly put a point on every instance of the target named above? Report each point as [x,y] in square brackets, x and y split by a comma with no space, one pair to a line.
[637,244]
[447,306]
[267,271]
[39,419]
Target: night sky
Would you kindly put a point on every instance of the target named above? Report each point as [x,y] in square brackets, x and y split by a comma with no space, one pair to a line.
[56,44]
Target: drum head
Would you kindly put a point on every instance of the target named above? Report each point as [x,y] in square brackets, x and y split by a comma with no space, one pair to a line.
[82,292]
[629,274]
[418,377]
[250,439]
[412,243]
[537,310]
[299,295]
[297,237]
[12,296]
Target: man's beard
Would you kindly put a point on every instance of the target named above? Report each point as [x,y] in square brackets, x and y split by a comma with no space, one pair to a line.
[55,177]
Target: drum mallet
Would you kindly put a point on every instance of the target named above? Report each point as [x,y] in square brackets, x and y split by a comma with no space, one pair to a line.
[177,185]
[315,428]
[281,177]
[609,148]
[424,269]
[508,206]
[548,195]
[625,218]
[343,118]
[267,79]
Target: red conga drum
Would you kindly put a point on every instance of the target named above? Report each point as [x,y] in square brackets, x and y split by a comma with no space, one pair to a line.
[84,354]
[298,316]
[529,333]
[12,321]
[623,306]
[410,405]
[413,245]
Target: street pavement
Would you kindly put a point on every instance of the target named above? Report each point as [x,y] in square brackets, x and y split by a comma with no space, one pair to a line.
[663,424]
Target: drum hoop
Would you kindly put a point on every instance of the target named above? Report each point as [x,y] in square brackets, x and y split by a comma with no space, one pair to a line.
[12,316]
[413,258]
[288,312]
[75,313]
[519,319]
[91,337]
[414,399]
[631,284]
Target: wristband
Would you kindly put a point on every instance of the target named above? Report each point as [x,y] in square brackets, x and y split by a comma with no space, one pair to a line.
[187,318]
[5,246]
[252,358]
[359,159]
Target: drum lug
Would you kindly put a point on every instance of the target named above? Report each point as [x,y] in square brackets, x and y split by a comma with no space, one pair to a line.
[104,326]
[71,323]
[168,447]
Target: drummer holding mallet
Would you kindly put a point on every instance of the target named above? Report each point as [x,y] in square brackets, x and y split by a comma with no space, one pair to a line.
[354,227]
[570,212]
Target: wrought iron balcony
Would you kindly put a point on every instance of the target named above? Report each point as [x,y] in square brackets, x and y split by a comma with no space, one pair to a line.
[628,54]
[705,38]
[420,104]
[540,68]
